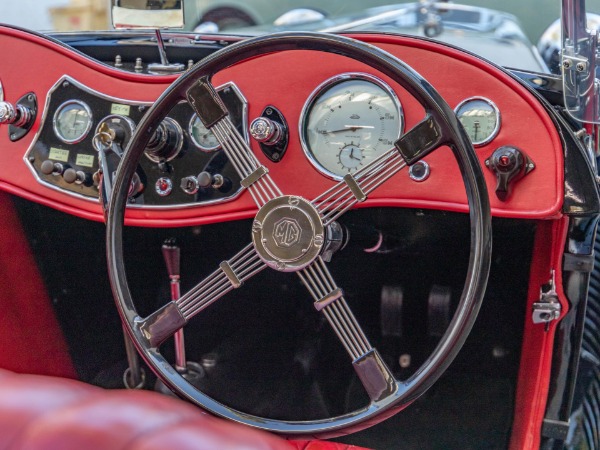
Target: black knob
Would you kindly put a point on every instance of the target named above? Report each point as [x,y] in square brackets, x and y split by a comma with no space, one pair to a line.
[75,176]
[50,167]
[509,164]
[205,179]
[172,255]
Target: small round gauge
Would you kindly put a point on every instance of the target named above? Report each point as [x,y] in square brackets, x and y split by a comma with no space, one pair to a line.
[202,137]
[349,121]
[481,119]
[72,121]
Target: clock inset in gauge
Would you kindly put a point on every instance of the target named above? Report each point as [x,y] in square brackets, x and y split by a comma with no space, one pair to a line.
[72,121]
[480,118]
[349,121]
[202,137]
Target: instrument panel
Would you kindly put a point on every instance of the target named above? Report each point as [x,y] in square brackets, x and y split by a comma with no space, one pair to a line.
[84,134]
[288,80]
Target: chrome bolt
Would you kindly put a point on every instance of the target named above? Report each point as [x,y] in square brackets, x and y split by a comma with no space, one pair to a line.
[580,67]
[404,360]
[567,63]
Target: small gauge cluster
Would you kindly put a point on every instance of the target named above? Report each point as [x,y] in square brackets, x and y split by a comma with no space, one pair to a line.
[353,118]
[83,129]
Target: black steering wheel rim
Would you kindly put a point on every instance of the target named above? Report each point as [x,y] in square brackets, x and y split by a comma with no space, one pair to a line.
[479,213]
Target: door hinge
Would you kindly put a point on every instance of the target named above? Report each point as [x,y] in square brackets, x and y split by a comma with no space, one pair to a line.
[548,307]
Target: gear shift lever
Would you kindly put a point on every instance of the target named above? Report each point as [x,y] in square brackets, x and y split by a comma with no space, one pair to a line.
[189,370]
[172,254]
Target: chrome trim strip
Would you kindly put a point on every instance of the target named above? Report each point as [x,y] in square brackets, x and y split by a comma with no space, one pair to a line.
[260,172]
[320,89]
[86,198]
[496,129]
[328,299]
[355,188]
[230,274]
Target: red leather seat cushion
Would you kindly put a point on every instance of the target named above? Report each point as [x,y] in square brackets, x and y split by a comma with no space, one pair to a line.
[46,413]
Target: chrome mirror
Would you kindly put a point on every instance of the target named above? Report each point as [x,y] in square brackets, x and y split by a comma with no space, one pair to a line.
[147,14]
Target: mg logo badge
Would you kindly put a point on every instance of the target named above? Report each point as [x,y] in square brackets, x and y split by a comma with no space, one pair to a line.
[286,232]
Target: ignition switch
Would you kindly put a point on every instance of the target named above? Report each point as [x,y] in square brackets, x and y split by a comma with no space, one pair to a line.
[509,164]
[166,142]
[270,130]
[20,116]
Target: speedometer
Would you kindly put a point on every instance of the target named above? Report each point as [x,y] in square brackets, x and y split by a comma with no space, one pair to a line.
[348,122]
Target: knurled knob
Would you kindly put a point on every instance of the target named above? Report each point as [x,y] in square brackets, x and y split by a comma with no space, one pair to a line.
[51,168]
[8,113]
[266,131]
[74,176]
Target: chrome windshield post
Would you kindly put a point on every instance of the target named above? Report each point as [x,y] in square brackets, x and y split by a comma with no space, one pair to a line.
[578,61]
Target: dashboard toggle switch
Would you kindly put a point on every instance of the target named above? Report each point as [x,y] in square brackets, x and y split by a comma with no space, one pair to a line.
[20,116]
[205,180]
[77,176]
[52,168]
[509,164]
[266,131]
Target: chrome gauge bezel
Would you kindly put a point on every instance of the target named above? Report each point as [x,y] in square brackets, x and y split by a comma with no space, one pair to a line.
[320,90]
[193,139]
[496,129]
[61,107]
[180,139]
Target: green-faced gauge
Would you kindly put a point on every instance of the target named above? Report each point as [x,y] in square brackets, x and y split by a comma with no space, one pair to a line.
[480,117]
[72,121]
[202,137]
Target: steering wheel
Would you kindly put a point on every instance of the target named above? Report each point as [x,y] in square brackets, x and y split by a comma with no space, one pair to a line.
[301,251]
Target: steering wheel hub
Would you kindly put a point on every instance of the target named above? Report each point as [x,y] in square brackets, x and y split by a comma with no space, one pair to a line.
[288,233]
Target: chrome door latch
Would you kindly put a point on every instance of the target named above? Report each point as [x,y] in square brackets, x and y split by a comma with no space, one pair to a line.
[548,308]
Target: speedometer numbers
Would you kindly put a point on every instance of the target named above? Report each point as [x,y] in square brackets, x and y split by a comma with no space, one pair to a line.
[480,118]
[349,121]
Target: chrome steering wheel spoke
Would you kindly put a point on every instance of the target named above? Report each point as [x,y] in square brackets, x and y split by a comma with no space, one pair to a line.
[230,275]
[421,140]
[209,107]
[374,374]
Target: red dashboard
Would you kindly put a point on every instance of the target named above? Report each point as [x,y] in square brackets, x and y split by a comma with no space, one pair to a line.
[286,80]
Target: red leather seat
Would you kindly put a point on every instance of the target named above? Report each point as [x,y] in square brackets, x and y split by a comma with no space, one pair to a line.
[46,413]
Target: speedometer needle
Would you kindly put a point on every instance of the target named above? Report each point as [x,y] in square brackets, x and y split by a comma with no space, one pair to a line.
[347,128]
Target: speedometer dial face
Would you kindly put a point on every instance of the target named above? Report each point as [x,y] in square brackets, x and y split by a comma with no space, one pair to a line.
[72,121]
[480,118]
[348,122]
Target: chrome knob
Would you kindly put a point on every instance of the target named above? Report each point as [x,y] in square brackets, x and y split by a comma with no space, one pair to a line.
[11,115]
[8,113]
[266,131]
